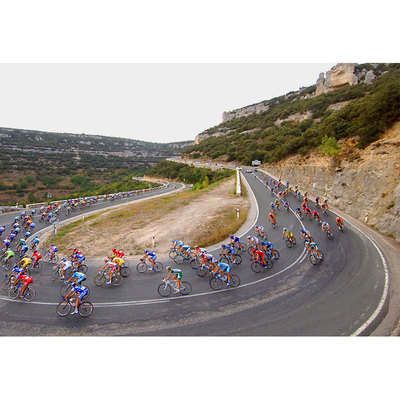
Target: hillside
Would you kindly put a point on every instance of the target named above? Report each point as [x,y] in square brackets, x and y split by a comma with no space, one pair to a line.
[35,163]
[353,100]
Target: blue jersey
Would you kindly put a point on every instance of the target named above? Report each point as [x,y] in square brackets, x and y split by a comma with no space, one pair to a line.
[235,239]
[224,267]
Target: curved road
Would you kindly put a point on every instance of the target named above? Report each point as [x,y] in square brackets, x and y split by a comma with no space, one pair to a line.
[337,297]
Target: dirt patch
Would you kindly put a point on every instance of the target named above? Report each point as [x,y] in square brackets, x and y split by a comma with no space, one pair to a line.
[184,216]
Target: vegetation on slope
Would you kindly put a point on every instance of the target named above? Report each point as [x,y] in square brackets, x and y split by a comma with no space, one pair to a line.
[199,177]
[373,108]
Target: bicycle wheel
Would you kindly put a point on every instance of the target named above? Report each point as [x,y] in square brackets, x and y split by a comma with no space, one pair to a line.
[322,256]
[65,290]
[178,259]
[186,288]
[125,272]
[288,243]
[235,281]
[63,308]
[83,268]
[172,254]
[99,280]
[268,263]
[215,283]
[194,263]
[157,267]
[54,275]
[273,226]
[256,267]
[201,271]
[313,259]
[238,259]
[276,255]
[55,259]
[5,284]
[7,265]
[141,267]
[117,280]
[29,294]
[13,292]
[85,309]
[164,290]
[249,250]
[224,259]
[68,273]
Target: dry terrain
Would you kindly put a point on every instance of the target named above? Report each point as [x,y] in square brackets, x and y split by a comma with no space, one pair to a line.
[196,217]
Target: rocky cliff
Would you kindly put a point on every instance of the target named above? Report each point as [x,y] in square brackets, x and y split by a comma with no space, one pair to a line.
[364,183]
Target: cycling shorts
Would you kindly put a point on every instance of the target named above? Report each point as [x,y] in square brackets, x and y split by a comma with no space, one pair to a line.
[226,268]
[82,293]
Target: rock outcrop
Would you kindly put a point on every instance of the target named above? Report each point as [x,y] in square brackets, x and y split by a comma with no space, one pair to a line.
[366,186]
[245,111]
[298,117]
[340,75]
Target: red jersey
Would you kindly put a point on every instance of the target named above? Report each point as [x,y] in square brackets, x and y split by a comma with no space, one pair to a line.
[26,278]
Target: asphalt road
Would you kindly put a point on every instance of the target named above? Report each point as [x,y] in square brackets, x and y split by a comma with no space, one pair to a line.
[294,298]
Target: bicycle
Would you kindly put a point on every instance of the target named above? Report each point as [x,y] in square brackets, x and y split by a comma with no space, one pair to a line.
[7,263]
[340,228]
[290,242]
[66,289]
[16,291]
[328,233]
[262,235]
[165,288]
[258,266]
[240,248]
[172,253]
[51,257]
[85,308]
[315,258]
[180,258]
[299,215]
[145,265]
[228,259]
[57,273]
[36,268]
[272,254]
[202,270]
[103,276]
[218,280]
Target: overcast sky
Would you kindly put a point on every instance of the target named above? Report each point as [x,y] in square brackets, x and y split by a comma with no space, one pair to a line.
[152,102]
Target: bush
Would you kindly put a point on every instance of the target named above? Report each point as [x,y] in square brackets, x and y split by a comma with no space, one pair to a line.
[329,146]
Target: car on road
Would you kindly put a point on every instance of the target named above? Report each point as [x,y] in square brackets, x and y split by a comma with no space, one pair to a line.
[219,165]
[249,170]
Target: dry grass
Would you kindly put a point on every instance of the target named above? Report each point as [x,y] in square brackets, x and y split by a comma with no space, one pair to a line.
[198,217]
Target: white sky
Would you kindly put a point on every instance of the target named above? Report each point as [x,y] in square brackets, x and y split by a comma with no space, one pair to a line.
[152,102]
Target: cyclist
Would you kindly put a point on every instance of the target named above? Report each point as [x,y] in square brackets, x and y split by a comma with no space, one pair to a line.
[177,244]
[23,250]
[223,268]
[339,222]
[2,229]
[277,203]
[198,251]
[27,281]
[298,212]
[78,258]
[117,253]
[8,255]
[36,256]
[110,268]
[186,251]
[21,243]
[317,201]
[52,250]
[287,234]
[316,216]
[287,205]
[120,262]
[35,243]
[253,241]
[11,236]
[65,265]
[208,259]
[177,277]
[228,250]
[326,227]
[260,230]
[6,243]
[271,217]
[151,255]
[257,254]
[272,206]
[27,234]
[24,262]
[81,291]
[311,246]
[307,211]
[77,278]
[324,207]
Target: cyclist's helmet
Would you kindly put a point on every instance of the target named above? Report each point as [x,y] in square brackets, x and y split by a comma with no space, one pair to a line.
[114,250]
[168,268]
[284,229]
[196,247]
[302,231]
[224,246]
[146,251]
[231,236]
[64,259]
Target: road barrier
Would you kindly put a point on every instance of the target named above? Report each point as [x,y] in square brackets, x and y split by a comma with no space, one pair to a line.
[238,186]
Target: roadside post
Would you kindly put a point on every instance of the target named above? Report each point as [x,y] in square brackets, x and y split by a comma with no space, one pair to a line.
[237,213]
[154,241]
[55,231]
